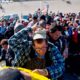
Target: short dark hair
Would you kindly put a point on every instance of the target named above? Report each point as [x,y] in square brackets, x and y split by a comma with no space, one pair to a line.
[35,17]
[4,42]
[55,28]
[39,41]
[43,17]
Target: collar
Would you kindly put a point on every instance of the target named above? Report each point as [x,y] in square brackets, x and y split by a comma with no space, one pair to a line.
[37,55]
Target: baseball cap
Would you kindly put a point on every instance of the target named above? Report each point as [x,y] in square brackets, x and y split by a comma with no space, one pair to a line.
[39,34]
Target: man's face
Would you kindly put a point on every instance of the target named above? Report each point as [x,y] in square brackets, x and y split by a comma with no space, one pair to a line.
[35,20]
[5,46]
[40,46]
[55,35]
[25,24]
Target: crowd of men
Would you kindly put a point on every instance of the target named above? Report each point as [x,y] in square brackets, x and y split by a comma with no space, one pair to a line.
[48,44]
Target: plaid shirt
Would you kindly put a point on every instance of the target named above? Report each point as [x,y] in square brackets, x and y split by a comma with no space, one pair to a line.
[20,44]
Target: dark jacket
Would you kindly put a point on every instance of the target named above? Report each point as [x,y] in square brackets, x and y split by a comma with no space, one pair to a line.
[21,45]
[8,56]
[60,43]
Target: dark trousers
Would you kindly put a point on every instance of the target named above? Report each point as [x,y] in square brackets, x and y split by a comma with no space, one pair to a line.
[73,64]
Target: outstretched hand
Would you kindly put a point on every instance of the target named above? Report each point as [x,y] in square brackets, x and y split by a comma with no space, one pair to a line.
[43,72]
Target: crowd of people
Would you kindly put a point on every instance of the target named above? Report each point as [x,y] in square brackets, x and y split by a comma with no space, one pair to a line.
[45,43]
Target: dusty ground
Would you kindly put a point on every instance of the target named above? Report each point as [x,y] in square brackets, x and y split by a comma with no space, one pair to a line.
[31,6]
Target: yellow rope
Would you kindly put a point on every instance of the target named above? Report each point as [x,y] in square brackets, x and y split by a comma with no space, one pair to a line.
[34,76]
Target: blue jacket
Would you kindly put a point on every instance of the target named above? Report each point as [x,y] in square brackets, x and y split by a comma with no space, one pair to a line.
[21,45]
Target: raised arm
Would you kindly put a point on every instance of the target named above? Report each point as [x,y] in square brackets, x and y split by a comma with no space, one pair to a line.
[19,43]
